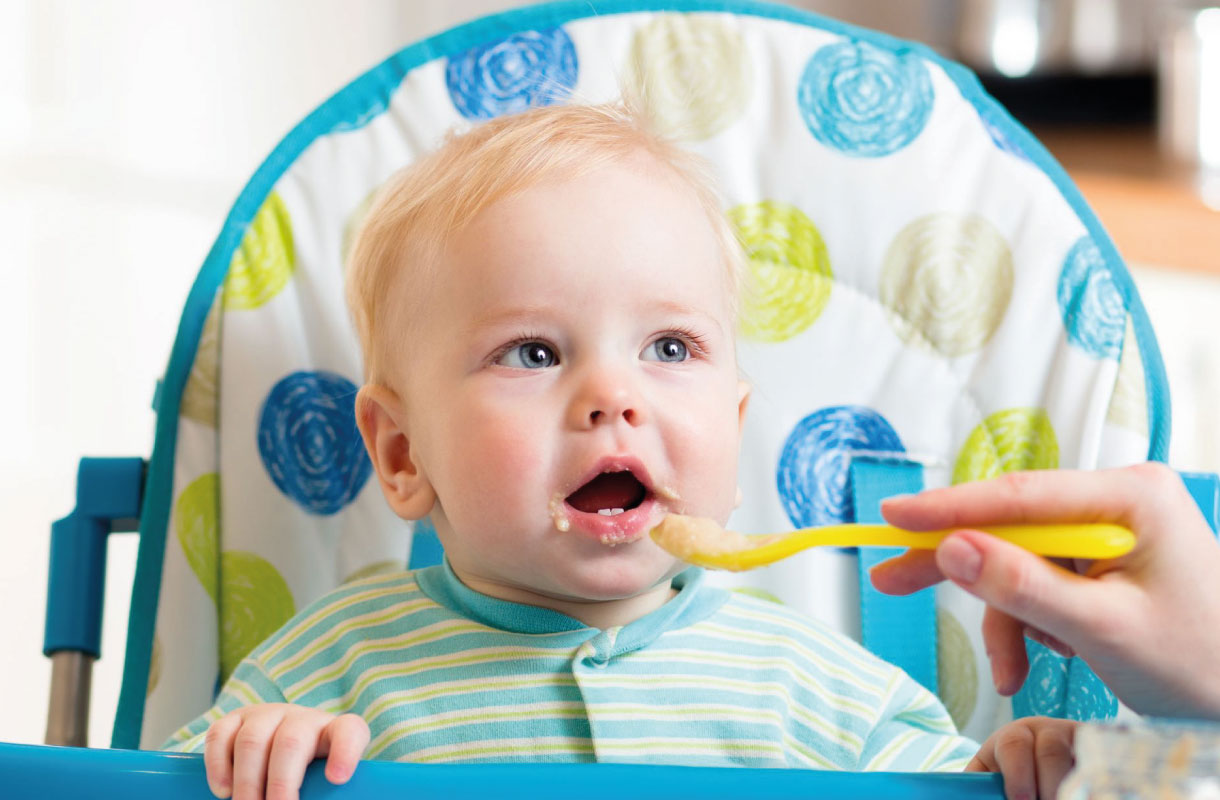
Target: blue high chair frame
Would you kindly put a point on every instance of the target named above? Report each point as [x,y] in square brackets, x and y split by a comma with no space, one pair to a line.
[129,494]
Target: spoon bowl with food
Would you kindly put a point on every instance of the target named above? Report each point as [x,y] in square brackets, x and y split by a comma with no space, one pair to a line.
[703,542]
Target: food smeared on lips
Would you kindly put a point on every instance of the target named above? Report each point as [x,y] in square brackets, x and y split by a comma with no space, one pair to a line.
[609,494]
[559,514]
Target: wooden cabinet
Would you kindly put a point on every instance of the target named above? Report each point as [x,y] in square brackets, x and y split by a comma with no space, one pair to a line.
[1152,208]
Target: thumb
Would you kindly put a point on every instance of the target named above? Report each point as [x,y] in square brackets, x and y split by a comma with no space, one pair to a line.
[1021,584]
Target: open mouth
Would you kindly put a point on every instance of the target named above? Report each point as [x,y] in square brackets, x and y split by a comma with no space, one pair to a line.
[609,494]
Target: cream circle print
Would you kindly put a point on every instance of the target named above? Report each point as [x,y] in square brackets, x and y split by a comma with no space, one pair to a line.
[1129,403]
[789,277]
[351,226]
[692,72]
[264,262]
[1007,441]
[947,281]
[154,666]
[199,395]
[196,525]
[957,674]
[254,602]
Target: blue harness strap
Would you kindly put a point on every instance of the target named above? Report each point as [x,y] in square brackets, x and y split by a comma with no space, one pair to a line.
[1204,487]
[901,630]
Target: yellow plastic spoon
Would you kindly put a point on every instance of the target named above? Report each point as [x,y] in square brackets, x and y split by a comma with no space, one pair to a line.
[704,543]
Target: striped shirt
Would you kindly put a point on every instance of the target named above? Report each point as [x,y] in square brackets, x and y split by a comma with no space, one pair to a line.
[442,673]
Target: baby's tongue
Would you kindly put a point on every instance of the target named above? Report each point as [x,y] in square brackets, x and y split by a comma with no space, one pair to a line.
[608,490]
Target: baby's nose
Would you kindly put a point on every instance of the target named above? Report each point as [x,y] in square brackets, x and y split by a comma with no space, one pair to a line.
[605,399]
[597,415]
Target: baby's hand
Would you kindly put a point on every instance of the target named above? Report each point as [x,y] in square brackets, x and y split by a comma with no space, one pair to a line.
[269,745]
[1033,754]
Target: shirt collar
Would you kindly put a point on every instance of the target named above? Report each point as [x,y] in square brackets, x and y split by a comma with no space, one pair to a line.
[693,602]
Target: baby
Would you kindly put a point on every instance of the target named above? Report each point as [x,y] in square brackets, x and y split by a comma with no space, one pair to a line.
[546,311]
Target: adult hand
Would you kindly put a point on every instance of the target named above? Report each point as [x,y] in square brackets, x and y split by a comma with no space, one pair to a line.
[1148,622]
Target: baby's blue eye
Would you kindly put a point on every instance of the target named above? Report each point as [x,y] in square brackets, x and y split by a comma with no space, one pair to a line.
[669,349]
[530,355]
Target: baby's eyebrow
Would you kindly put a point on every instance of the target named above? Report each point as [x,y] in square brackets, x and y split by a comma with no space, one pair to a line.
[540,314]
[510,316]
[670,307]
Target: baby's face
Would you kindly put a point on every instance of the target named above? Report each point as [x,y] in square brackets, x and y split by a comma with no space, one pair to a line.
[575,380]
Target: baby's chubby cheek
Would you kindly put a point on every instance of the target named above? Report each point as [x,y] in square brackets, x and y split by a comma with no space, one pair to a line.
[705,481]
[501,468]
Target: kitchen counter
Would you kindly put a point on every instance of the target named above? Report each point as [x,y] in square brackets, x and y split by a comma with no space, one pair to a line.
[1149,205]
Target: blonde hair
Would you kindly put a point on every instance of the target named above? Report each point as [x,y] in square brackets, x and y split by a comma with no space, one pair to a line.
[422,206]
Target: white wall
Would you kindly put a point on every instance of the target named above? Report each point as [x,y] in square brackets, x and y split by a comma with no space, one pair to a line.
[126,130]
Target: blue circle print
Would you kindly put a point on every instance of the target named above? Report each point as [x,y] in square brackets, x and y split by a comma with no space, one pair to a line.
[309,443]
[1001,139]
[815,464]
[526,70]
[865,101]
[1088,699]
[1044,692]
[1062,687]
[1091,303]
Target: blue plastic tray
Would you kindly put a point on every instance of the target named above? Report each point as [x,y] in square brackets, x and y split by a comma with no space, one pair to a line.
[51,773]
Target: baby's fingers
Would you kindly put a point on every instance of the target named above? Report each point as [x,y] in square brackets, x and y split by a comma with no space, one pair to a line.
[344,739]
[251,747]
[1053,754]
[297,742]
[1010,751]
[218,753]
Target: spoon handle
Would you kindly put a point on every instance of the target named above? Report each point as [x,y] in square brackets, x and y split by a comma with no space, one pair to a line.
[1065,540]
[1075,540]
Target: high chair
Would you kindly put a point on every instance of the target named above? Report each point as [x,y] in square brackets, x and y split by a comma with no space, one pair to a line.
[932,302]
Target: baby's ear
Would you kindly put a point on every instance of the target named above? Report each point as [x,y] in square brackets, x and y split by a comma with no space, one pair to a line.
[382,423]
[743,400]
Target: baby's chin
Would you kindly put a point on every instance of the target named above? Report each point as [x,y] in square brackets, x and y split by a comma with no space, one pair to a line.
[609,584]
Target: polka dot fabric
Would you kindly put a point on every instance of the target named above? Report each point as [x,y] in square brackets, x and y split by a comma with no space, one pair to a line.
[921,280]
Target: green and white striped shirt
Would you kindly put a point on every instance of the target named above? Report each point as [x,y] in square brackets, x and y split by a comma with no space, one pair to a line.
[442,673]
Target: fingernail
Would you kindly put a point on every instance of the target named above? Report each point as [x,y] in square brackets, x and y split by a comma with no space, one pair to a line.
[959,559]
[1001,681]
[896,498]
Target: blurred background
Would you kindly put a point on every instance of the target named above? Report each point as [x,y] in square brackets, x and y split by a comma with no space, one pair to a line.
[128,127]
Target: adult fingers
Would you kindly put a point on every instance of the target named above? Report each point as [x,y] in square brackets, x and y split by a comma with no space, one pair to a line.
[907,573]
[218,753]
[344,739]
[1004,644]
[1029,497]
[1053,754]
[251,747]
[1025,586]
[295,744]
